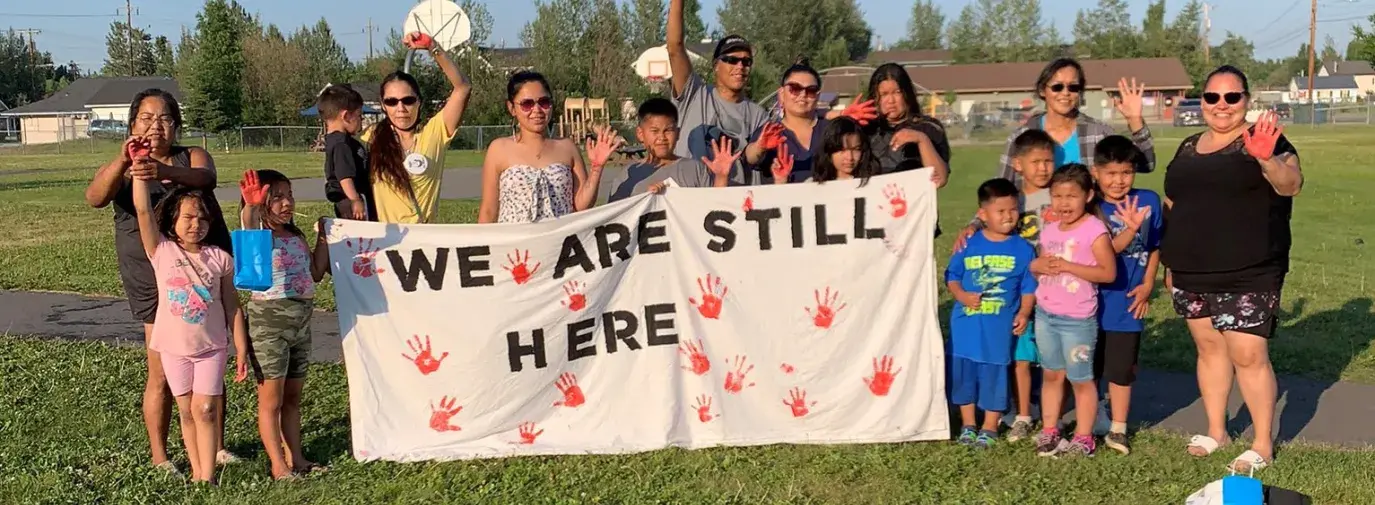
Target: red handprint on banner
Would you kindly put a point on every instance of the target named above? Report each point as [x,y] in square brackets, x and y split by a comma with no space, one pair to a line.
[749,202]
[710,306]
[528,433]
[439,417]
[826,308]
[424,359]
[798,402]
[897,201]
[576,299]
[735,380]
[697,357]
[518,266]
[364,258]
[882,381]
[703,407]
[786,368]
[572,393]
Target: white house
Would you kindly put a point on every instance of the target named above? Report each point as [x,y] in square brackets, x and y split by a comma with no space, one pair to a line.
[67,114]
[652,65]
[1326,89]
[1360,70]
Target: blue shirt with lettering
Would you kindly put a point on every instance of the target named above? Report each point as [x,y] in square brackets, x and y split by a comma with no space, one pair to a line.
[1113,313]
[1001,273]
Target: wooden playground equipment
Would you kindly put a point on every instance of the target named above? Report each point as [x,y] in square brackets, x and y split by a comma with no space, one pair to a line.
[580,117]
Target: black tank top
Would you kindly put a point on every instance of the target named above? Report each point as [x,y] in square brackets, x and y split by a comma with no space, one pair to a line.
[127,242]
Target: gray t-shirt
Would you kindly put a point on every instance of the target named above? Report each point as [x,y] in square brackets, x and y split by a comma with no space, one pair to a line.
[704,116]
[637,179]
[1033,204]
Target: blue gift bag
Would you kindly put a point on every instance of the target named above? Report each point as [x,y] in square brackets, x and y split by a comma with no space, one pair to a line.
[252,259]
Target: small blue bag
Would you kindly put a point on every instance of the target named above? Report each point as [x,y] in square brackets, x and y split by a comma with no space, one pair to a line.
[252,259]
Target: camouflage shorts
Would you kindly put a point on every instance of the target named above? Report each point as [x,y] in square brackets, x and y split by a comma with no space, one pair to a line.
[280,332]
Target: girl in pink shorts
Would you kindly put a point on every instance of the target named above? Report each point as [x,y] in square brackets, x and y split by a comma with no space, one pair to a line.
[198,304]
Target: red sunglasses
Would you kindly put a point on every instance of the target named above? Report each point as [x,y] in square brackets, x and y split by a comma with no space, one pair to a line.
[529,104]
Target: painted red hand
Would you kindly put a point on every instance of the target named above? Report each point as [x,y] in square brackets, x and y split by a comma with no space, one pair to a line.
[424,359]
[782,165]
[861,110]
[696,356]
[882,381]
[703,407]
[528,433]
[1260,138]
[710,306]
[417,40]
[735,380]
[749,202]
[798,402]
[786,368]
[254,193]
[518,266]
[439,417]
[576,299]
[364,258]
[572,393]
[137,148]
[897,201]
[772,136]
[826,308]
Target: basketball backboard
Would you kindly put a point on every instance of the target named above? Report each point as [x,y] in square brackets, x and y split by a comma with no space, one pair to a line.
[443,20]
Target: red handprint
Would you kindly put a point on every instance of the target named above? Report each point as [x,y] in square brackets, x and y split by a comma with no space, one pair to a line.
[439,418]
[572,393]
[696,356]
[417,40]
[516,264]
[798,402]
[424,359]
[528,433]
[703,406]
[576,299]
[786,368]
[138,148]
[772,136]
[364,258]
[735,381]
[749,202]
[825,308]
[897,201]
[883,377]
[710,307]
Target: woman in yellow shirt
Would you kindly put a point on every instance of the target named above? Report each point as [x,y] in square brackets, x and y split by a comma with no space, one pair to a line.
[407,159]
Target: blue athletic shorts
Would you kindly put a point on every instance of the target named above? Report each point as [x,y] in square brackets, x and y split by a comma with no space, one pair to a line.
[1026,345]
[1066,343]
[983,384]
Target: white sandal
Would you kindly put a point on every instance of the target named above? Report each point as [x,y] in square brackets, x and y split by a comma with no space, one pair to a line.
[1251,459]
[1207,443]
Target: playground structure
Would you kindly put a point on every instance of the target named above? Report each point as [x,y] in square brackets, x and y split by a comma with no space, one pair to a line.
[581,116]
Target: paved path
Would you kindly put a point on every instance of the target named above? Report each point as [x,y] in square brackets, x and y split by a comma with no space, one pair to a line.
[1312,411]
[458,183]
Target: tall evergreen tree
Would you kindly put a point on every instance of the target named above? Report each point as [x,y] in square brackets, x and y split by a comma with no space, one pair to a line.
[213,88]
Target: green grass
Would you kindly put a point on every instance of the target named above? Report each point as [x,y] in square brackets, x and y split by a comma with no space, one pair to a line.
[82,164]
[70,433]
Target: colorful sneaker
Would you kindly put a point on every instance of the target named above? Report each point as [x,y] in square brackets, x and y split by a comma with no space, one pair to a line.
[1020,430]
[1118,442]
[1048,442]
[1081,445]
[967,436]
[986,439]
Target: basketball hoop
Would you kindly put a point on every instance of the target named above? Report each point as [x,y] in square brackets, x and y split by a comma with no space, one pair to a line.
[442,20]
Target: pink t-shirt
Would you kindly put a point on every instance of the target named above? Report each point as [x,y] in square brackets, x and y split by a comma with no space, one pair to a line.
[190,319]
[1066,294]
[290,271]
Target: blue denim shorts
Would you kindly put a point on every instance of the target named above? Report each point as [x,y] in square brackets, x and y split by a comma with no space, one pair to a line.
[1066,343]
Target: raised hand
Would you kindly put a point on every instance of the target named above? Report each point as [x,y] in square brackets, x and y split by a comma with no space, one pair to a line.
[600,149]
[782,166]
[417,40]
[1261,138]
[772,136]
[861,110]
[1128,101]
[137,148]
[254,194]
[882,380]
[722,160]
[1131,216]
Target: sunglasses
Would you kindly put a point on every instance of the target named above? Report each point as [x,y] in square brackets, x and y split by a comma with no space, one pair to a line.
[798,90]
[1058,87]
[529,104]
[1232,98]
[392,101]
[736,60]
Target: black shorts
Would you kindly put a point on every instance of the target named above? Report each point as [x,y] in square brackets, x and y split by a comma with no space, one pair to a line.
[1115,356]
[140,283]
[1250,312]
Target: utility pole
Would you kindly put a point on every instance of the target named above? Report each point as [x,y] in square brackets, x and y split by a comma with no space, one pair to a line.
[129,34]
[1312,39]
[1207,27]
[370,30]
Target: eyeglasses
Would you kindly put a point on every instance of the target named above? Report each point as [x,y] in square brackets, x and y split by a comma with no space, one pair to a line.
[798,90]
[736,60]
[1232,98]
[528,104]
[165,121]
[392,101]
[1059,86]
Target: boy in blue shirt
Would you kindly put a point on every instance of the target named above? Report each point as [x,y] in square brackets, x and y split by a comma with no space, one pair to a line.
[1135,221]
[994,291]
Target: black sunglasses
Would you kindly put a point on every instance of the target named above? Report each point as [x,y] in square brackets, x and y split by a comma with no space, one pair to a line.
[1232,98]
[736,60]
[1058,87]
[392,101]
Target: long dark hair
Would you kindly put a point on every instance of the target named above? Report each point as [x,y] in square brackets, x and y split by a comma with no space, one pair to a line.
[167,98]
[833,141]
[271,178]
[385,154]
[1079,175]
[894,72]
[165,213]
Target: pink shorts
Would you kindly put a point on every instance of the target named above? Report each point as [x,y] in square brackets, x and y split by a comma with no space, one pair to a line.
[202,374]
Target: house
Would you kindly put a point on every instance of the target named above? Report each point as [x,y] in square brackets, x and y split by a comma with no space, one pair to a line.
[372,101]
[1361,70]
[9,126]
[67,114]
[917,58]
[1326,89]
[994,88]
[652,64]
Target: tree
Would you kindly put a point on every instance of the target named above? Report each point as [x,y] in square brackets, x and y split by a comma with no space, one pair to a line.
[128,52]
[606,39]
[649,19]
[479,20]
[925,28]
[1155,38]
[1186,44]
[968,42]
[990,31]
[694,29]
[185,54]
[1329,52]
[164,61]
[1106,32]
[1362,46]
[1235,50]
[213,88]
[25,71]
[274,87]
[326,61]
[830,32]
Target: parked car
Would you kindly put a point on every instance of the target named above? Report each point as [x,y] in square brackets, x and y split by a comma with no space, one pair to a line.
[108,128]
[1189,112]
[1283,110]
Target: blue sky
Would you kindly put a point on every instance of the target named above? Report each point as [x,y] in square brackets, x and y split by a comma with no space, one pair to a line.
[76,29]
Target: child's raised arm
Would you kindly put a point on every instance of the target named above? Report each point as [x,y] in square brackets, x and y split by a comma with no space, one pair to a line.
[1105,271]
[147,225]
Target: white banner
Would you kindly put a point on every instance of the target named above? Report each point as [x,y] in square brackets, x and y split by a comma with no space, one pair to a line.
[803,313]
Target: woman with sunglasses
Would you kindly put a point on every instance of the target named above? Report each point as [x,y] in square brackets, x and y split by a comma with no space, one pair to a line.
[407,159]
[798,132]
[1229,196]
[529,177]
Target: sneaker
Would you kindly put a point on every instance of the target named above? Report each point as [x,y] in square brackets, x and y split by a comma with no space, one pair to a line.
[967,436]
[1048,442]
[1081,445]
[1118,442]
[985,440]
[1020,430]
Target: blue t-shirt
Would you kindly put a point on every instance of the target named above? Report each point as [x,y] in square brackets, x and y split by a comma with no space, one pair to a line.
[1067,152]
[803,159]
[1131,263]
[1001,272]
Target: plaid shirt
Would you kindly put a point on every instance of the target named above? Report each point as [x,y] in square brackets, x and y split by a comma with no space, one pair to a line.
[1091,131]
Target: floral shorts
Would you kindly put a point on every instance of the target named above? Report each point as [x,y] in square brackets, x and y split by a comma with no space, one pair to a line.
[1252,313]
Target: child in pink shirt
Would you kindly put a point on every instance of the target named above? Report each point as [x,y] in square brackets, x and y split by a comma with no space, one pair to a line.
[191,329]
[1076,256]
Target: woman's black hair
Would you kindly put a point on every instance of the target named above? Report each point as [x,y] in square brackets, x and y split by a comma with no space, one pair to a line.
[172,106]
[1228,69]
[1055,66]
[1079,175]
[165,212]
[520,79]
[272,178]
[894,72]
[833,141]
[802,65]
[385,155]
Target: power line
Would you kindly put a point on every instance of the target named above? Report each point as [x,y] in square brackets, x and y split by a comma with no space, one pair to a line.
[14,15]
[1286,12]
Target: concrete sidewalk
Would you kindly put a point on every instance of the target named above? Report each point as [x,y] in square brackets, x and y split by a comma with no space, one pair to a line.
[1311,411]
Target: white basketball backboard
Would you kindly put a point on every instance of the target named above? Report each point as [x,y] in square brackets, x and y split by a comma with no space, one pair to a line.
[443,20]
